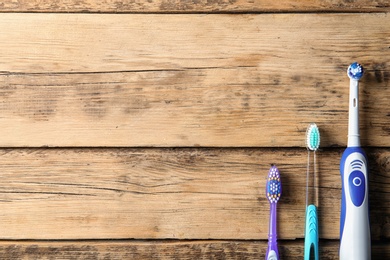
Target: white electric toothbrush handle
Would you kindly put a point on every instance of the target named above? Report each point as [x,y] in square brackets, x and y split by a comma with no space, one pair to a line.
[353,120]
[355,225]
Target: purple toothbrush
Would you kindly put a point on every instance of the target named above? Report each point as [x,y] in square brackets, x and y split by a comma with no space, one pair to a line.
[273,190]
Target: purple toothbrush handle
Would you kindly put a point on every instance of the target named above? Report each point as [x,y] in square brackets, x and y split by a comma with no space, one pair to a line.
[272,250]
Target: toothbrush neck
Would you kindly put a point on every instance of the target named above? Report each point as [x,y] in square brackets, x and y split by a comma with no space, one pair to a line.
[272,235]
[353,120]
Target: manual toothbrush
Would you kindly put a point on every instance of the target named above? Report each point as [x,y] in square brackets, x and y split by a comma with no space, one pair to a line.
[273,192]
[355,238]
[311,227]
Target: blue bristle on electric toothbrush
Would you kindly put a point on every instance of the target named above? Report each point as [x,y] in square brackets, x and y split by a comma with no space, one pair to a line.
[311,226]
[355,237]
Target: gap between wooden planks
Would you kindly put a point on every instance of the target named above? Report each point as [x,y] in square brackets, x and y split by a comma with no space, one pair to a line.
[172,193]
[81,80]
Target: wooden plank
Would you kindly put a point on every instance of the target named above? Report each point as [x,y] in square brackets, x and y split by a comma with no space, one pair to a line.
[47,43]
[172,193]
[291,250]
[182,6]
[190,80]
[162,109]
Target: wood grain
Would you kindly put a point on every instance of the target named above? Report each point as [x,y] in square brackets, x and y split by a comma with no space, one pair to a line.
[158,249]
[91,77]
[78,80]
[182,6]
[172,193]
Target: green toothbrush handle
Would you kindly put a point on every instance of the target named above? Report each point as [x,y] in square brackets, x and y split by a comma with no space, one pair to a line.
[311,232]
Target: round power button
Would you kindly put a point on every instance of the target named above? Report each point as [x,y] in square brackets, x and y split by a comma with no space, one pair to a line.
[357,181]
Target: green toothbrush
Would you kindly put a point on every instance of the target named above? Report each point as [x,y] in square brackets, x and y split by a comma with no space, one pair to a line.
[311,228]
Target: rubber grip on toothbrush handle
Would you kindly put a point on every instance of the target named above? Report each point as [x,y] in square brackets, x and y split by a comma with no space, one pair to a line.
[272,250]
[311,232]
[355,238]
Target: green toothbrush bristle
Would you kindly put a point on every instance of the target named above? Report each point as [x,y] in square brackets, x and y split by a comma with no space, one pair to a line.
[313,137]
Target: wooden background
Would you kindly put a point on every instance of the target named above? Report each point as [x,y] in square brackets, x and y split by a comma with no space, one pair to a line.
[145,129]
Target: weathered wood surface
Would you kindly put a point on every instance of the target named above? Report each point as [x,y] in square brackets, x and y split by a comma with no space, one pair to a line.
[184,6]
[151,78]
[172,193]
[190,80]
[143,250]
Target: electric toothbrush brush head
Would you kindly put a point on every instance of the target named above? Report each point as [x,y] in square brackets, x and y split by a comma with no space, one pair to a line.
[355,71]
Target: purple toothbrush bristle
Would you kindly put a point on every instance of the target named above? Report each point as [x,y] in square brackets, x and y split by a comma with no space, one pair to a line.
[274,187]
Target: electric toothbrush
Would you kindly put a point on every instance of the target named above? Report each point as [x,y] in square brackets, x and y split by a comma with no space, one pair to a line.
[355,238]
